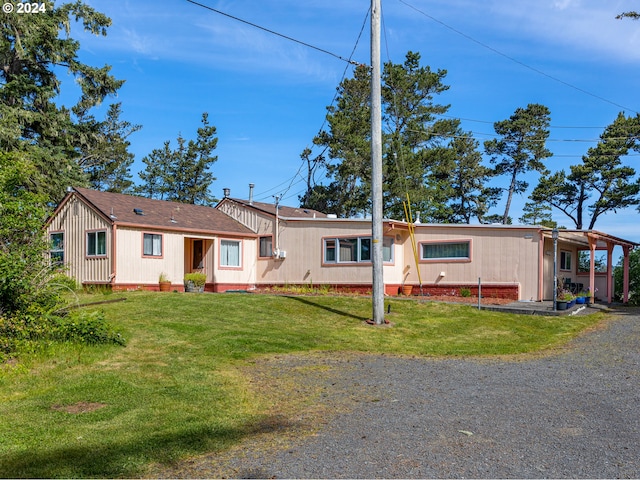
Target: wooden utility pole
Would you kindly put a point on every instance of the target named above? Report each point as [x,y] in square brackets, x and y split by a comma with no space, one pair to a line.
[376,167]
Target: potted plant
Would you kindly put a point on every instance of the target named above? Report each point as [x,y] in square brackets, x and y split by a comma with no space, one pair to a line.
[569,298]
[581,298]
[563,300]
[194,282]
[165,283]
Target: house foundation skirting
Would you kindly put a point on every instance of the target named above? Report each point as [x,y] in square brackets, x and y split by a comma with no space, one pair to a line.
[510,292]
[179,287]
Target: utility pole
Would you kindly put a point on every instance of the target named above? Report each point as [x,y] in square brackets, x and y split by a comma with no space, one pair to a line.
[376,167]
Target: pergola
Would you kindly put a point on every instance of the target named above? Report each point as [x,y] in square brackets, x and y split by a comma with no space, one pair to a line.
[593,240]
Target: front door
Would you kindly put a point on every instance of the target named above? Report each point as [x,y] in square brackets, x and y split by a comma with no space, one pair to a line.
[197,263]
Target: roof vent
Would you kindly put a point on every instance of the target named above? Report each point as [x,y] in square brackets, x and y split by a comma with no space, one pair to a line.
[138,211]
[227,192]
[112,216]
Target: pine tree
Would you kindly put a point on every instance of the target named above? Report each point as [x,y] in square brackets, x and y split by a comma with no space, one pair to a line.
[182,175]
[520,148]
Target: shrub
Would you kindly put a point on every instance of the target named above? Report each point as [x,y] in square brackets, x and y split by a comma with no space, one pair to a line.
[86,327]
[465,292]
[198,279]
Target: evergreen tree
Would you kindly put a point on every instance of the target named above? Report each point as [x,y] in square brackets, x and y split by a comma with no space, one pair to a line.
[520,148]
[537,213]
[182,175]
[600,177]
[106,158]
[458,182]
[33,48]
[410,128]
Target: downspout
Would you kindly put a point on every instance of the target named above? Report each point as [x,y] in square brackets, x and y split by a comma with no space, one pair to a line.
[276,250]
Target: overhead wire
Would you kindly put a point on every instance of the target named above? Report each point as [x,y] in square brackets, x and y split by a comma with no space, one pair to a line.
[335,96]
[508,57]
[273,32]
[350,62]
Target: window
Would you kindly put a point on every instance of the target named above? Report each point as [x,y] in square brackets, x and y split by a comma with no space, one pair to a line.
[96,244]
[387,249]
[152,245]
[446,251]
[266,246]
[565,260]
[57,248]
[354,250]
[230,253]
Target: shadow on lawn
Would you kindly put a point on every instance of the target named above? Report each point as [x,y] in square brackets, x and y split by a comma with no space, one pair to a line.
[131,459]
[306,301]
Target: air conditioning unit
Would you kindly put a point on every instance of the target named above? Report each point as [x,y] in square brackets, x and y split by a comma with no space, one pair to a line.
[282,254]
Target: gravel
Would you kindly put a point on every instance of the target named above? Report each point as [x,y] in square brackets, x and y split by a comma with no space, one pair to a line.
[572,413]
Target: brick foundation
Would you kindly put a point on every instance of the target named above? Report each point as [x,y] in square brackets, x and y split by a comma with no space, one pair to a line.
[510,292]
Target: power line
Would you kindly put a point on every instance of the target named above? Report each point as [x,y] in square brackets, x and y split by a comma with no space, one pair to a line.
[273,32]
[498,52]
[335,96]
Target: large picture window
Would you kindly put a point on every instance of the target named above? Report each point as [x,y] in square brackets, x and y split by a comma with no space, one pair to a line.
[152,245]
[446,251]
[96,244]
[354,250]
[57,248]
[230,253]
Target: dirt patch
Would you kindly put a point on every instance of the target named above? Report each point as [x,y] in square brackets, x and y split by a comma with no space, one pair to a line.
[79,407]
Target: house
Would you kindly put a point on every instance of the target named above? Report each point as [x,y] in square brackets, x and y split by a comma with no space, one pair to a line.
[126,242]
[299,246]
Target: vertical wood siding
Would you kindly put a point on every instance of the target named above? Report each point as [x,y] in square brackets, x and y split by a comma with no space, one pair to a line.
[74,220]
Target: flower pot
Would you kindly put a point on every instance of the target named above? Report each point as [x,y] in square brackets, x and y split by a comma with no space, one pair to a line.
[571,303]
[193,288]
[581,300]
[165,286]
[561,305]
[407,289]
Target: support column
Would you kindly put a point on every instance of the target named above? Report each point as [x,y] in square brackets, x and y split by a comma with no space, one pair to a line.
[593,243]
[625,275]
[609,272]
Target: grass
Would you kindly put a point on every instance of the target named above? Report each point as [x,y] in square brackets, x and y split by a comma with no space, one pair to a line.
[179,388]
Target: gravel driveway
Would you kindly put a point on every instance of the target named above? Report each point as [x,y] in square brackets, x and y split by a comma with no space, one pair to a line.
[572,413]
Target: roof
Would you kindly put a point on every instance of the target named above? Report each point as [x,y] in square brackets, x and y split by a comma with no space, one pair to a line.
[283,211]
[582,237]
[118,209]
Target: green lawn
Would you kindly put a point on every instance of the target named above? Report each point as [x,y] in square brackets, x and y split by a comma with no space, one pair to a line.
[178,389]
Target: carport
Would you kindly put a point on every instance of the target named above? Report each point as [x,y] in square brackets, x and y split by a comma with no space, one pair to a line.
[584,240]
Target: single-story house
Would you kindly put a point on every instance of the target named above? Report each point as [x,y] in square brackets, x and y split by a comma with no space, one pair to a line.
[127,242]
[242,244]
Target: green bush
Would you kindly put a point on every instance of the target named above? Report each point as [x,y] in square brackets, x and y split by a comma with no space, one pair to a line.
[465,292]
[86,327]
[198,279]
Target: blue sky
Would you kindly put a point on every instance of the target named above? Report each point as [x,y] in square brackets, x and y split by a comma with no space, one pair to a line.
[267,96]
